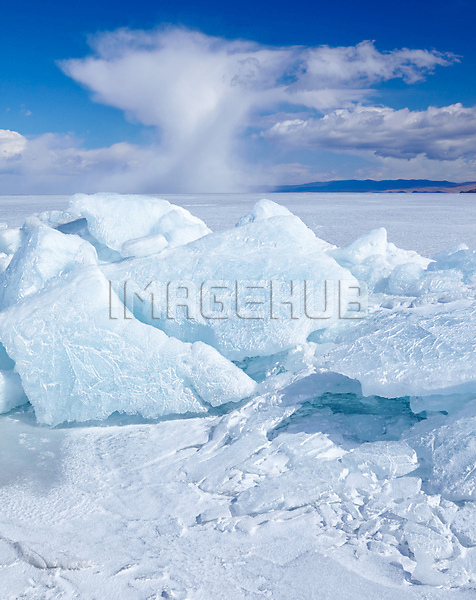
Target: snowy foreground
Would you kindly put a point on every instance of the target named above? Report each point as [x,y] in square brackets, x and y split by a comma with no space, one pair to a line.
[169,432]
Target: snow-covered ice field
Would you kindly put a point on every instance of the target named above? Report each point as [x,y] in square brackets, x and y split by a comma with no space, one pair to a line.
[290,460]
[426,223]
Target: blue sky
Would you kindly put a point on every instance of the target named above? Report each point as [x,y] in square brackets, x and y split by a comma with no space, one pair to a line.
[187,96]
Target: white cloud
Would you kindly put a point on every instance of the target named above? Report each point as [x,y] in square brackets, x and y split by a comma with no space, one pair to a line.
[59,164]
[11,144]
[446,133]
[364,65]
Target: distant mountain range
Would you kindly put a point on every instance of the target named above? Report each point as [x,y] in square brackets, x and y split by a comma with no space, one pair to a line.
[387,185]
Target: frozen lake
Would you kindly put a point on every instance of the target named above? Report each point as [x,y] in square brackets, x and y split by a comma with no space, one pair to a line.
[310,488]
[426,223]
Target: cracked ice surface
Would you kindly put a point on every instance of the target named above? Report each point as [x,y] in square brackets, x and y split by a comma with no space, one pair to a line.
[346,469]
[279,248]
[77,364]
[229,507]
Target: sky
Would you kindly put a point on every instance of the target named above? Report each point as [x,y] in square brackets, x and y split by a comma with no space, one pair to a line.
[186,96]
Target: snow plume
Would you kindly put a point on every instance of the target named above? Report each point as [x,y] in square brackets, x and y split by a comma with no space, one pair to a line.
[197,90]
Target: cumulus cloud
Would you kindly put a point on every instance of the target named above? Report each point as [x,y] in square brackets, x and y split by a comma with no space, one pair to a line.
[214,103]
[11,144]
[446,133]
[363,64]
[53,163]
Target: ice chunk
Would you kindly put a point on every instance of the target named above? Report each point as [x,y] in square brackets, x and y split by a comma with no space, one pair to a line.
[375,244]
[114,219]
[464,524]
[11,391]
[401,353]
[302,485]
[80,227]
[371,258]
[385,459]
[43,254]
[178,226]
[446,253]
[410,279]
[423,541]
[11,239]
[453,457]
[56,218]
[463,261]
[144,246]
[405,280]
[447,402]
[402,488]
[264,209]
[267,209]
[320,383]
[226,273]
[78,364]
[447,446]
[370,244]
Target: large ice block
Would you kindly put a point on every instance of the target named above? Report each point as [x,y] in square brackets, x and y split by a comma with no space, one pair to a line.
[43,254]
[114,219]
[419,351]
[446,445]
[264,209]
[253,290]
[371,258]
[461,260]
[78,364]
